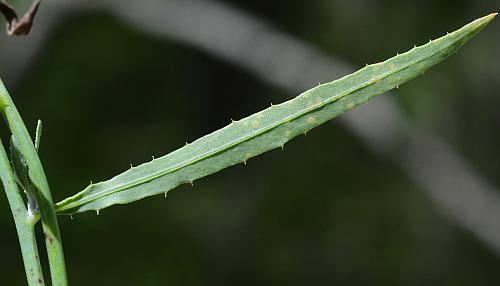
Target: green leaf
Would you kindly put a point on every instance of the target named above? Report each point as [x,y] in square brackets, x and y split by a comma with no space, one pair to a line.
[19,164]
[268,129]
[21,171]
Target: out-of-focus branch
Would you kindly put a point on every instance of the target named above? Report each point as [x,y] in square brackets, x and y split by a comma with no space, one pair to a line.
[17,53]
[16,26]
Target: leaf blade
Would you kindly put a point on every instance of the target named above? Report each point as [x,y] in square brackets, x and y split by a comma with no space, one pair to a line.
[268,129]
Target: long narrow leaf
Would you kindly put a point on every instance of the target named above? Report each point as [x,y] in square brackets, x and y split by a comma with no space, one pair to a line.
[268,129]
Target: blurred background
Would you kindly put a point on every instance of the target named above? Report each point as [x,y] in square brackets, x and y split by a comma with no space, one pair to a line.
[402,191]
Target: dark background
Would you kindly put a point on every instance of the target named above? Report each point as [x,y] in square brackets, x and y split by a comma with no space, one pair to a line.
[328,210]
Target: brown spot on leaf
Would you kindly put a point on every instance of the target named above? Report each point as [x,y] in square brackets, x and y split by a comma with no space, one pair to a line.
[16,26]
[49,238]
[18,212]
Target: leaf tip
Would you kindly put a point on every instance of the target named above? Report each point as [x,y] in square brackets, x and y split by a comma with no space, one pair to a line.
[486,19]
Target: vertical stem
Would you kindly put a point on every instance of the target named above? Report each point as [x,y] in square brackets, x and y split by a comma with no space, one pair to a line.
[53,240]
[25,230]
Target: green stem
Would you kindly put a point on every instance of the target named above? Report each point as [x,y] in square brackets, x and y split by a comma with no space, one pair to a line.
[25,230]
[53,240]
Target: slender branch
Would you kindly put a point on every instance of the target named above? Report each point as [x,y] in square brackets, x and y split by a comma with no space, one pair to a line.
[53,240]
[25,230]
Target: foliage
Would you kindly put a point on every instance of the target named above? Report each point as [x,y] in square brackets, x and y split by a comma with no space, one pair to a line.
[234,144]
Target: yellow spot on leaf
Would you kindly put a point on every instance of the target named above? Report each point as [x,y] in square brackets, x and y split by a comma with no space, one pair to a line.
[311,119]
